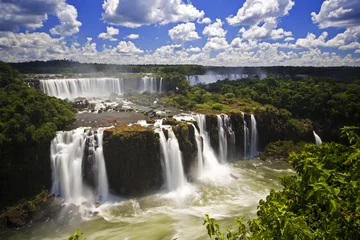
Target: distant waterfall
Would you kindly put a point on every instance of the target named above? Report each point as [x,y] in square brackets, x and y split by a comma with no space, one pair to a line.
[149,84]
[254,152]
[172,160]
[211,78]
[67,153]
[208,156]
[318,141]
[82,87]
[161,85]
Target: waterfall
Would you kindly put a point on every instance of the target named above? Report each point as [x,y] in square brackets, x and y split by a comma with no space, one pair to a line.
[149,84]
[231,135]
[199,146]
[318,141]
[172,159]
[161,85]
[210,163]
[82,87]
[254,152]
[225,132]
[246,137]
[67,154]
[223,145]
[212,78]
[102,180]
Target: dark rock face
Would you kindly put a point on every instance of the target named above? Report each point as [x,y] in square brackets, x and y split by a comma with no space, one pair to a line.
[133,161]
[185,134]
[24,173]
[212,128]
[88,161]
[237,123]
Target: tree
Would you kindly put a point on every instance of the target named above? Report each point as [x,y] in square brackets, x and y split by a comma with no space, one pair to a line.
[322,202]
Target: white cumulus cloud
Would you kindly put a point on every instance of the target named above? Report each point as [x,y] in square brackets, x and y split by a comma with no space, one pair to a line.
[255,11]
[262,18]
[133,36]
[204,21]
[109,34]
[184,32]
[338,13]
[136,13]
[32,15]
[215,30]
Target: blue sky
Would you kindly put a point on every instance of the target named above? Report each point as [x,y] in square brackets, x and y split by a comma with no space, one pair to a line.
[214,32]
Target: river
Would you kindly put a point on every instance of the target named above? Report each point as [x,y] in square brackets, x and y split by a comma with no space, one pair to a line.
[168,215]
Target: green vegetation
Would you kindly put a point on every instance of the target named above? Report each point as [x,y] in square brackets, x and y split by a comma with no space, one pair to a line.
[77,235]
[321,202]
[15,216]
[197,99]
[67,67]
[27,116]
[328,103]
[29,120]
[281,149]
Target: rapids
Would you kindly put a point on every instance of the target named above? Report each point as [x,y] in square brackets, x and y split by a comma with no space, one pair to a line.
[168,215]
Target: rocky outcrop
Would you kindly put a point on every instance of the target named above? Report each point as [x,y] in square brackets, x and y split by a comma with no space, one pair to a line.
[133,160]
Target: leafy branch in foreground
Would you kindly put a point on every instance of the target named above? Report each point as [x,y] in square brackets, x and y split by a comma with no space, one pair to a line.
[76,236]
[322,202]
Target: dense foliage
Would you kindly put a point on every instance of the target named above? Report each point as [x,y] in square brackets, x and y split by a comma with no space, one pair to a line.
[328,103]
[321,202]
[27,116]
[29,120]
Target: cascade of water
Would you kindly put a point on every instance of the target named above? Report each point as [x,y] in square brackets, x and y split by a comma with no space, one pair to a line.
[67,153]
[246,137]
[254,138]
[102,180]
[223,145]
[172,159]
[199,145]
[82,87]
[161,85]
[208,155]
[211,78]
[231,134]
[318,140]
[149,84]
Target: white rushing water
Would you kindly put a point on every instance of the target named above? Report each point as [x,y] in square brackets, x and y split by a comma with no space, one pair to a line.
[72,88]
[67,155]
[211,78]
[223,144]
[254,152]
[82,87]
[102,180]
[226,133]
[318,140]
[210,162]
[246,137]
[160,216]
[172,159]
[149,84]
[224,191]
